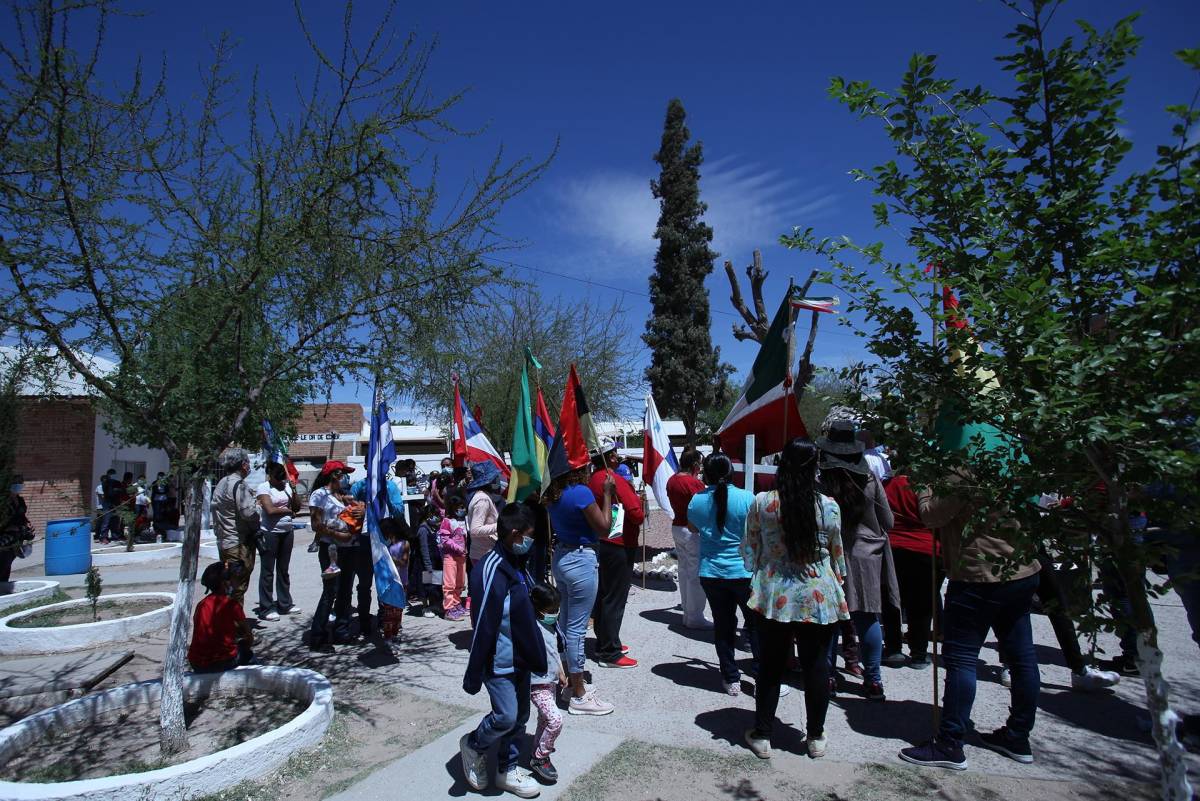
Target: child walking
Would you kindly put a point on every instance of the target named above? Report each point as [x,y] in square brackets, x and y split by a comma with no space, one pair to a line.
[391,618]
[452,540]
[543,688]
[506,650]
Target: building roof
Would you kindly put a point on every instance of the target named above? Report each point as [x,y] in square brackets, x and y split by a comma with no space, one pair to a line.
[633,428]
[53,376]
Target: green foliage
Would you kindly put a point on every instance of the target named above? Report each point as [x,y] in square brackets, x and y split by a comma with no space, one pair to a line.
[94,587]
[1079,287]
[685,369]
[490,348]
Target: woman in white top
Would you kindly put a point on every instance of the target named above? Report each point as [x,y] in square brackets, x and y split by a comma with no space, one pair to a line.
[324,506]
[277,503]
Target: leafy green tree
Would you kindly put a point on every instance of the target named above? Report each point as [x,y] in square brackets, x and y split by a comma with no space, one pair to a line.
[1076,337]
[685,369]
[232,263]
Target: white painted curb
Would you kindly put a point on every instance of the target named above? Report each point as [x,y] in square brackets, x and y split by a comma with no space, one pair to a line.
[144,552]
[208,774]
[16,641]
[26,591]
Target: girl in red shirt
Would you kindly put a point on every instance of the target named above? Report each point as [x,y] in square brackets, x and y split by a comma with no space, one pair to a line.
[221,637]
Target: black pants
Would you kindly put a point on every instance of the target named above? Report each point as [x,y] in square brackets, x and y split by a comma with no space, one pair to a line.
[319,630]
[616,573]
[914,574]
[775,644]
[274,571]
[355,565]
[725,596]
[7,556]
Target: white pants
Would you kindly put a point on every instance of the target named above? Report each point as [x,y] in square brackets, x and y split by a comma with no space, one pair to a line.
[691,595]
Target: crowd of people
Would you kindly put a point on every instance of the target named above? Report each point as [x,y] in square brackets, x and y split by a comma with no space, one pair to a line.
[128,507]
[832,561]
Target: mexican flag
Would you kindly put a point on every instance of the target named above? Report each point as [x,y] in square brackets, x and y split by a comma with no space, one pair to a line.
[767,408]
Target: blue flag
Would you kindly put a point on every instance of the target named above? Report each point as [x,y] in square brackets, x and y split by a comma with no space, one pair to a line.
[381,453]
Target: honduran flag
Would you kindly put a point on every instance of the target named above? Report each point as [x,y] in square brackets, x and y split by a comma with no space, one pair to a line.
[470,443]
[381,453]
[658,460]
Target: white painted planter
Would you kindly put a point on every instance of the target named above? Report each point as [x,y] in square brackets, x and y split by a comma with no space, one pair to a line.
[146,552]
[208,774]
[26,591]
[209,550]
[16,641]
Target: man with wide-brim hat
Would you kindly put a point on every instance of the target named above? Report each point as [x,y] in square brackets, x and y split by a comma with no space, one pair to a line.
[482,511]
[615,556]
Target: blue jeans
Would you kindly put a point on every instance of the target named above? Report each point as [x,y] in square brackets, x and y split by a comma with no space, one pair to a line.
[576,574]
[506,722]
[971,610]
[870,644]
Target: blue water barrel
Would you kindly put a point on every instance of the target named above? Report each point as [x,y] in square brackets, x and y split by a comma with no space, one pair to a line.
[68,546]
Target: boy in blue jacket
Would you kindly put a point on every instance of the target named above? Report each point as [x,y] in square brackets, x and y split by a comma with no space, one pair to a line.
[506,650]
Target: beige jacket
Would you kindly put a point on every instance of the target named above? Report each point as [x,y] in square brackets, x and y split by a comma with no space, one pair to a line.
[481,525]
[234,512]
[970,556]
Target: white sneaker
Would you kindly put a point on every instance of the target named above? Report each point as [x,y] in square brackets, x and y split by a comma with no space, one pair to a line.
[699,625]
[759,745]
[1092,679]
[294,609]
[816,747]
[272,615]
[784,690]
[519,782]
[732,688]
[474,764]
[589,704]
[1005,677]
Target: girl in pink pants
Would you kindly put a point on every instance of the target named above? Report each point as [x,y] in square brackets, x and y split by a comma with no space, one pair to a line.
[452,539]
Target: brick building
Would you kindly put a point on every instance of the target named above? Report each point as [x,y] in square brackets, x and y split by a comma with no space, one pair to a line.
[326,431]
[63,448]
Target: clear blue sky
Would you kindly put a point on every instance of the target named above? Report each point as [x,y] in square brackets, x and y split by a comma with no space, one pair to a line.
[597,77]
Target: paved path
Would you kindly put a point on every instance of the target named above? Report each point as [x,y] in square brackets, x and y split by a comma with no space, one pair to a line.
[674,697]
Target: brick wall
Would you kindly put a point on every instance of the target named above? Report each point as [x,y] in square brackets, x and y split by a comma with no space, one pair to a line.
[321,418]
[55,444]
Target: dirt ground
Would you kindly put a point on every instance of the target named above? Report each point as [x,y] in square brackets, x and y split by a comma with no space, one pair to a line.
[105,610]
[640,771]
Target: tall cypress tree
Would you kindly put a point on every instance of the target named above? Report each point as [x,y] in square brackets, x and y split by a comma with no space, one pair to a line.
[684,371]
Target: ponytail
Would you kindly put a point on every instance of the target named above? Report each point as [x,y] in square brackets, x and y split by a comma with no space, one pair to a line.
[717,469]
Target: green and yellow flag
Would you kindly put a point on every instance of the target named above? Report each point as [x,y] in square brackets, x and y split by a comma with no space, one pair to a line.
[526,466]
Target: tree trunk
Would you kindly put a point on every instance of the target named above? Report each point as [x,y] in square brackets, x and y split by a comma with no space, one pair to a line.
[1174,783]
[689,429]
[174,737]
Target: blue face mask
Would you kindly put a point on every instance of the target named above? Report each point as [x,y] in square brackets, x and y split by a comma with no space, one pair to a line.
[549,618]
[17,489]
[345,483]
[523,546]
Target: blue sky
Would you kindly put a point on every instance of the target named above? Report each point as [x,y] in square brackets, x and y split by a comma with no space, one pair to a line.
[596,78]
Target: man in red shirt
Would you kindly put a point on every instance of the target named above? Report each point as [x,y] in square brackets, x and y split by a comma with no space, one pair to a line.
[680,489]
[615,555]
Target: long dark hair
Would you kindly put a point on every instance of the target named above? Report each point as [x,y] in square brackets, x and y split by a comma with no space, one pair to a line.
[559,485]
[717,469]
[796,484]
[848,489]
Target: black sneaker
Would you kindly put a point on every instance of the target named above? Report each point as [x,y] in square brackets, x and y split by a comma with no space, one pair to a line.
[936,754]
[894,660]
[1126,665]
[1015,747]
[544,769]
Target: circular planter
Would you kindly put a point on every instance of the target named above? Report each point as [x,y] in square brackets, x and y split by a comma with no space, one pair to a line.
[16,641]
[26,591]
[209,550]
[252,759]
[146,552]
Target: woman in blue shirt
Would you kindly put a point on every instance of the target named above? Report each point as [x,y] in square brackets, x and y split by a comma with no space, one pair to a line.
[577,519]
[718,515]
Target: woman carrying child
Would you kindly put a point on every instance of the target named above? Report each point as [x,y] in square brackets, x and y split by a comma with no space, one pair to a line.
[326,507]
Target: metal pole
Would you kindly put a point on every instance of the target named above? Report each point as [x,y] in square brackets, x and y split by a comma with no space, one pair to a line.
[749,463]
[933,582]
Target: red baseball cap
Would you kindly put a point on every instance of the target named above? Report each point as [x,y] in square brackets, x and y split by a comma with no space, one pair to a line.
[334,464]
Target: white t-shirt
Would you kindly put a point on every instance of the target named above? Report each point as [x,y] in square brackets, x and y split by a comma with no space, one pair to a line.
[330,508]
[281,523]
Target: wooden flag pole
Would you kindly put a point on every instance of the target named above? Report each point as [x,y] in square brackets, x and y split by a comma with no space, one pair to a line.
[933,582]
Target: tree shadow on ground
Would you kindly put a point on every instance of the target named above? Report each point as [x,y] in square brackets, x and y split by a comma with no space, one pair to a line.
[730,725]
[698,673]
[673,620]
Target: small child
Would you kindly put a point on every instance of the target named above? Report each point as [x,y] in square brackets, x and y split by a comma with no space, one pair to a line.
[543,688]
[506,650]
[431,558]
[221,637]
[391,618]
[452,541]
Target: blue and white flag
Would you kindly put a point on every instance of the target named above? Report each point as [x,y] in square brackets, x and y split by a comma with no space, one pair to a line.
[381,453]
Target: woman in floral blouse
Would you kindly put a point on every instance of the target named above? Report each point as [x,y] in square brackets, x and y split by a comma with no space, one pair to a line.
[793,550]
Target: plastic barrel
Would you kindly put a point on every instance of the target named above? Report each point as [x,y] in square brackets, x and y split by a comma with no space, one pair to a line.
[68,546]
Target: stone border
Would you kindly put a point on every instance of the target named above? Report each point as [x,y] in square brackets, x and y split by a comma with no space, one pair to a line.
[142,552]
[208,774]
[34,590]
[16,641]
